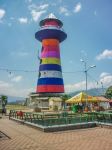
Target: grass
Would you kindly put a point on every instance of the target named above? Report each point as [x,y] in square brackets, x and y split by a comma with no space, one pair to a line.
[16,107]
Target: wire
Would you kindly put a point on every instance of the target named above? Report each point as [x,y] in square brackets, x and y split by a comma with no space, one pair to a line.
[28,71]
[16,70]
[93,78]
[72,72]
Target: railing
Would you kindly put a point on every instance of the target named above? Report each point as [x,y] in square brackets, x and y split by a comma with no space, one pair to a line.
[48,119]
[51,27]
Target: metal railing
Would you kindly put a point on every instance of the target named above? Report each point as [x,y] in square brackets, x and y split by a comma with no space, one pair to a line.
[51,119]
[51,27]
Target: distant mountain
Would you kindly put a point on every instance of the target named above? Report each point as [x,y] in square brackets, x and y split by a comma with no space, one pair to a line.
[93,92]
[13,99]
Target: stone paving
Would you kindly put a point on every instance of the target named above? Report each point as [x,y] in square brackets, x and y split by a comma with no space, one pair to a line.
[23,137]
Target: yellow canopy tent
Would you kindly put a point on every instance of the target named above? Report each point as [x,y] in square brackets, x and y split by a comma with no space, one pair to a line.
[102,99]
[81,97]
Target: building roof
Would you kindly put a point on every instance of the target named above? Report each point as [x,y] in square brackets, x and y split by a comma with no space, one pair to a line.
[102,99]
[50,17]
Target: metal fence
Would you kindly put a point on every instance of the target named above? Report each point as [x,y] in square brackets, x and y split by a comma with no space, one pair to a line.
[52,119]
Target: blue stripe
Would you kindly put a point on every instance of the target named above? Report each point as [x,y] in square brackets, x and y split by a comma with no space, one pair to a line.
[50,81]
[50,34]
[50,67]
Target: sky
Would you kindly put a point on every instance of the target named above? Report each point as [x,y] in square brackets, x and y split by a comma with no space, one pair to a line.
[88,24]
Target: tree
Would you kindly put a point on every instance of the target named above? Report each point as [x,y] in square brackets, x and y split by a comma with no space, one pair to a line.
[4,100]
[64,98]
[108,93]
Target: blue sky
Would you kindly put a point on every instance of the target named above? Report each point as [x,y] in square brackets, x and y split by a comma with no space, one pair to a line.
[88,25]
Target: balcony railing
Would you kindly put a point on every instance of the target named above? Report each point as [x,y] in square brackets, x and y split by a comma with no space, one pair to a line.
[51,27]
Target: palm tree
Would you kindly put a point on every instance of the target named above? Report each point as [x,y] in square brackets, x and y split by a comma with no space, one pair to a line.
[4,102]
[64,98]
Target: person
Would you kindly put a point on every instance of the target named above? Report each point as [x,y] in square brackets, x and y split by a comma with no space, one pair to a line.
[3,110]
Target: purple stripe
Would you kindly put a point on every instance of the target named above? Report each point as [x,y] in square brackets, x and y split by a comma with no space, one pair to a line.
[50,54]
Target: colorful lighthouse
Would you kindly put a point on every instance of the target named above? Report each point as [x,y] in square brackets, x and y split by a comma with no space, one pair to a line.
[50,78]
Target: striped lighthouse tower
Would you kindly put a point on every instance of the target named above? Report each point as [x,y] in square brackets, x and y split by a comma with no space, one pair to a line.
[50,78]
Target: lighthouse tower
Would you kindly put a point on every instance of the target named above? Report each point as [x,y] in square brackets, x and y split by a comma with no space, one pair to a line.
[50,78]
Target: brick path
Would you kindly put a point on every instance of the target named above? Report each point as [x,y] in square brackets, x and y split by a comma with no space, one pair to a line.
[27,138]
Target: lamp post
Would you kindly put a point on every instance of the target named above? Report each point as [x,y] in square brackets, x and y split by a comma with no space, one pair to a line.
[86,69]
[102,89]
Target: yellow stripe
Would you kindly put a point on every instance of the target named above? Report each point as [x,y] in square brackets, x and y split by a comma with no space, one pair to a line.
[50,61]
[52,42]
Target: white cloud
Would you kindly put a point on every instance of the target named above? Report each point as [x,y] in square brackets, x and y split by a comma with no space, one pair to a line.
[37,14]
[37,11]
[103,74]
[77,8]
[74,87]
[78,86]
[106,54]
[44,6]
[106,79]
[17,78]
[64,10]
[38,7]
[12,90]
[23,20]
[4,85]
[23,54]
[2,13]
[20,54]
[24,92]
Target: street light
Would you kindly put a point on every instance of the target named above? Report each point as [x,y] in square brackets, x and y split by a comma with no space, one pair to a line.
[102,89]
[86,70]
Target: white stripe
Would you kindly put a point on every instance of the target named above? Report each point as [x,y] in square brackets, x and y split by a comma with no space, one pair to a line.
[50,74]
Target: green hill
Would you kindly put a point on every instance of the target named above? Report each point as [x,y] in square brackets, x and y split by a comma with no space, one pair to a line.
[93,92]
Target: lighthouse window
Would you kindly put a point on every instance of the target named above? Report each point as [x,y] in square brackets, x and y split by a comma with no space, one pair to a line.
[40,61]
[39,74]
[42,49]
[44,73]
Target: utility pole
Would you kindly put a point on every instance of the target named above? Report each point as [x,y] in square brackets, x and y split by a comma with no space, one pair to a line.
[86,69]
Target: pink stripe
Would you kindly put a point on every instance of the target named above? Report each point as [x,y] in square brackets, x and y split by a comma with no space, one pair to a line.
[54,23]
[50,54]
[51,48]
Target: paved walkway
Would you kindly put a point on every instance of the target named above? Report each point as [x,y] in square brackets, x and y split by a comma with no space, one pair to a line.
[27,138]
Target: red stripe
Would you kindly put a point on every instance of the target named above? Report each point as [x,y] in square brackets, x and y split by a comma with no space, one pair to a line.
[50,89]
[54,23]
